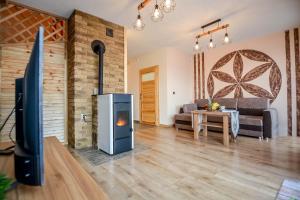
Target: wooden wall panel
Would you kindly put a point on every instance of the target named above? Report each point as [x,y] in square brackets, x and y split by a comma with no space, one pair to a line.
[83,28]
[203,77]
[13,60]
[195,77]
[199,78]
[288,78]
[297,67]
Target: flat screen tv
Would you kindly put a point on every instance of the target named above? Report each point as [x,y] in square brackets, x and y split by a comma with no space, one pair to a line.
[29,153]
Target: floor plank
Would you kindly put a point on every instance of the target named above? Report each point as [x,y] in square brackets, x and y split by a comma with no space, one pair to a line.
[175,166]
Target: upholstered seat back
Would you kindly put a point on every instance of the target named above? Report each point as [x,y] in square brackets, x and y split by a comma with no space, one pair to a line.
[188,108]
[201,103]
[229,103]
[253,106]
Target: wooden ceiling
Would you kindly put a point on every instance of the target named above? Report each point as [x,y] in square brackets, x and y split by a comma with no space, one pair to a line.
[19,24]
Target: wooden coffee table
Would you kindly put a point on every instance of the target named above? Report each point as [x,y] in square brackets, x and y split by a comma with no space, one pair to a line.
[206,124]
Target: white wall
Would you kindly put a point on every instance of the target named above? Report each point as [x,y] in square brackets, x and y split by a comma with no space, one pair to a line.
[175,72]
[148,60]
[179,80]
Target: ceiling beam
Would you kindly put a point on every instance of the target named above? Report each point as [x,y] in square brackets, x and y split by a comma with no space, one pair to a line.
[35,9]
[13,15]
[5,7]
[212,31]
[29,27]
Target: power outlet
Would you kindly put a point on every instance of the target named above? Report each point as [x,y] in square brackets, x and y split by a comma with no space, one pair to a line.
[83,117]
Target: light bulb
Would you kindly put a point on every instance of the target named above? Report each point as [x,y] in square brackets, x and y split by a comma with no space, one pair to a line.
[168,5]
[226,38]
[211,44]
[197,46]
[139,24]
[157,15]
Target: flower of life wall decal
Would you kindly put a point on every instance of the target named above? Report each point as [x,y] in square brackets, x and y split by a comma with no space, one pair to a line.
[239,83]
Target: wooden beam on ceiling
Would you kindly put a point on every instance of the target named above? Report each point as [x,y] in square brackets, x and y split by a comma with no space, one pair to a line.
[143,4]
[5,7]
[12,15]
[33,25]
[35,9]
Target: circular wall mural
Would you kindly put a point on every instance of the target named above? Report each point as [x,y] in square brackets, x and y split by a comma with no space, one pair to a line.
[239,82]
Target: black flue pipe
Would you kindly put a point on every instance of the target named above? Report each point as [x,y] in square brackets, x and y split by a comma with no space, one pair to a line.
[99,49]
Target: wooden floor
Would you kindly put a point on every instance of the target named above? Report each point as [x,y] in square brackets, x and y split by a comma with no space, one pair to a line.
[177,167]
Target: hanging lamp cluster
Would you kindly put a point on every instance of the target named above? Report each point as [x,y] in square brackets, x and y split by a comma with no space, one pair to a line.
[211,43]
[166,6]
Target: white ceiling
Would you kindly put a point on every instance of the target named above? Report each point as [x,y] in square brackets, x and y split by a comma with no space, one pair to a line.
[247,19]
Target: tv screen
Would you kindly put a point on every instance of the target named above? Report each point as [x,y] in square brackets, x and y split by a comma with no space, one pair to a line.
[29,158]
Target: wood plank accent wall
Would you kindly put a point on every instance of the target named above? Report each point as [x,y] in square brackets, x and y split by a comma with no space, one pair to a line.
[83,71]
[288,78]
[203,76]
[13,60]
[195,77]
[297,68]
[199,78]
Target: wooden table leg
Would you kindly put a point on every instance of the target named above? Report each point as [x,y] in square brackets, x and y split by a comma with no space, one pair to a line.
[204,120]
[225,131]
[196,125]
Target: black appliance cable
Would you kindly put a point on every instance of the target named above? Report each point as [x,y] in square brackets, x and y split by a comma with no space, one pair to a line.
[10,114]
[7,151]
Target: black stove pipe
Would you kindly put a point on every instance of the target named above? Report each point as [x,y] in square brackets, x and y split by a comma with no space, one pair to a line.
[99,49]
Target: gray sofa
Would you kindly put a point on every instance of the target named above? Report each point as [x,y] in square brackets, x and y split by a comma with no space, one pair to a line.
[257,119]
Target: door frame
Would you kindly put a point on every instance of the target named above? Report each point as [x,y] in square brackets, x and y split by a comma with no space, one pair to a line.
[154,69]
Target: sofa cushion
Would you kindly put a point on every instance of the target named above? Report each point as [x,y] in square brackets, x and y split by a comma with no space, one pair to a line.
[201,103]
[229,103]
[188,108]
[183,117]
[251,120]
[253,106]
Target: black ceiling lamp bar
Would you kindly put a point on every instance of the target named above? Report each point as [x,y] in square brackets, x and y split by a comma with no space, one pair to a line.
[211,23]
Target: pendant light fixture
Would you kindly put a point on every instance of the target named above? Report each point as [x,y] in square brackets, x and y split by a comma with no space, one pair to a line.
[157,14]
[211,43]
[139,24]
[226,38]
[168,5]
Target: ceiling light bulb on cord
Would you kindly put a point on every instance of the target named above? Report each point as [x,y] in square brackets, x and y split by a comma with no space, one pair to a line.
[211,44]
[157,14]
[197,46]
[226,38]
[139,24]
